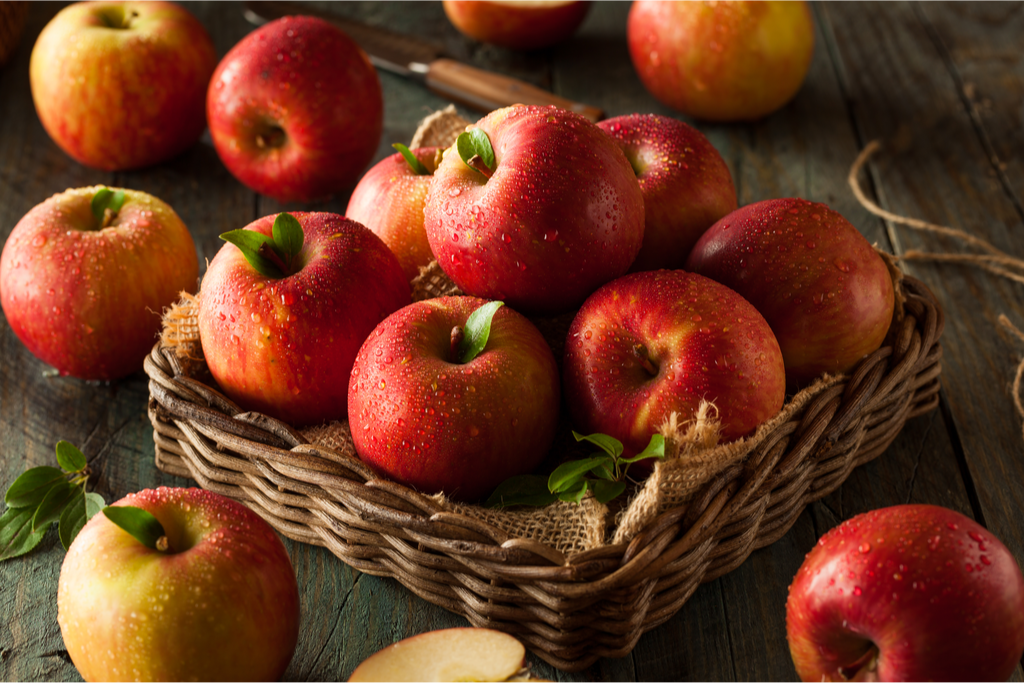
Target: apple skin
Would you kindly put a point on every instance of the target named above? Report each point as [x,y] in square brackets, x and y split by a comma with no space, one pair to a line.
[389,200]
[721,61]
[824,290]
[561,215]
[517,24]
[285,347]
[704,342]
[907,593]
[222,604]
[299,128]
[461,428]
[88,300]
[685,183]
[122,98]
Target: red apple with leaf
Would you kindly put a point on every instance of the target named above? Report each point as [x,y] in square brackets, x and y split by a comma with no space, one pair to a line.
[389,200]
[295,110]
[121,85]
[517,24]
[534,206]
[825,291]
[907,593]
[285,306]
[654,343]
[454,394]
[685,183]
[85,275]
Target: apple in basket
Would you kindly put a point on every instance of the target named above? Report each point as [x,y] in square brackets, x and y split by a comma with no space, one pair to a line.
[454,394]
[517,24]
[825,291]
[285,306]
[721,61]
[296,110]
[907,593]
[122,85]
[684,180]
[654,343]
[389,200]
[535,206]
[85,274]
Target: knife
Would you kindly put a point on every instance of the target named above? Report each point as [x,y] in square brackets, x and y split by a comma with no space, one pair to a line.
[424,61]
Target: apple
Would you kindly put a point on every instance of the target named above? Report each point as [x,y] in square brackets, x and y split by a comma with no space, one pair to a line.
[220,602]
[389,200]
[685,183]
[517,24]
[825,291]
[295,110]
[907,593]
[427,414]
[280,338]
[84,291]
[557,214]
[721,61]
[122,85]
[654,343]
[451,654]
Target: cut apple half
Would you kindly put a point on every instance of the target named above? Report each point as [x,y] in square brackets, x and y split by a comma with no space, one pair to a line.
[453,654]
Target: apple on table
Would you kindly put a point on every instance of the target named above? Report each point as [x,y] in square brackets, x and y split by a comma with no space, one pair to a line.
[517,24]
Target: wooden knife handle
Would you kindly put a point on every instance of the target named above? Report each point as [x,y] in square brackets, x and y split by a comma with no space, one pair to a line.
[487,91]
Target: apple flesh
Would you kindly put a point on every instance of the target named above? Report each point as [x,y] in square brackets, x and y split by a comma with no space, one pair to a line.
[825,291]
[907,593]
[721,61]
[561,215]
[121,85]
[222,603]
[452,654]
[285,346]
[685,183]
[424,418]
[517,24]
[654,343]
[85,295]
[295,110]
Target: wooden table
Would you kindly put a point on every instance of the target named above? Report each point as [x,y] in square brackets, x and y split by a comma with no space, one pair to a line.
[941,85]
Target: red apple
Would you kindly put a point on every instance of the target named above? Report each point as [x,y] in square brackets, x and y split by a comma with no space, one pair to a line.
[907,593]
[283,343]
[659,342]
[221,603]
[721,61]
[825,291]
[684,180]
[120,85]
[84,293]
[517,24]
[557,215]
[296,110]
[426,416]
[389,201]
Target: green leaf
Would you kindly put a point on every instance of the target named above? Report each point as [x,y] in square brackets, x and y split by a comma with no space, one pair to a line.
[52,506]
[525,489]
[249,243]
[655,449]
[288,236]
[477,331]
[141,524]
[605,491]
[70,458]
[567,475]
[31,487]
[73,518]
[608,444]
[100,202]
[606,470]
[415,164]
[475,142]
[575,494]
[16,535]
[116,201]
[93,504]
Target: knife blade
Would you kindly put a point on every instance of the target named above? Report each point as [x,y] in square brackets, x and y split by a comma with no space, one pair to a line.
[425,61]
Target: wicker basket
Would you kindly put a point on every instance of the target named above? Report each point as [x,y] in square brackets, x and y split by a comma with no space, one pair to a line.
[13,14]
[570,609]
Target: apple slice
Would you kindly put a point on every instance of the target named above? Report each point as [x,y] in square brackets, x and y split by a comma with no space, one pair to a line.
[453,654]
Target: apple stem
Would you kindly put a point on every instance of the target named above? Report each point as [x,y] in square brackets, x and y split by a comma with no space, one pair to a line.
[162,544]
[108,218]
[644,357]
[268,252]
[457,335]
[477,162]
[271,139]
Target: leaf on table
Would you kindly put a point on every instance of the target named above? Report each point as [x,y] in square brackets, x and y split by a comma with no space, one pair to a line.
[70,458]
[16,535]
[52,505]
[31,487]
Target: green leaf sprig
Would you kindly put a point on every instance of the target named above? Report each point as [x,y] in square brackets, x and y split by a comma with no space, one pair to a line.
[604,474]
[272,256]
[475,150]
[415,164]
[105,205]
[470,341]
